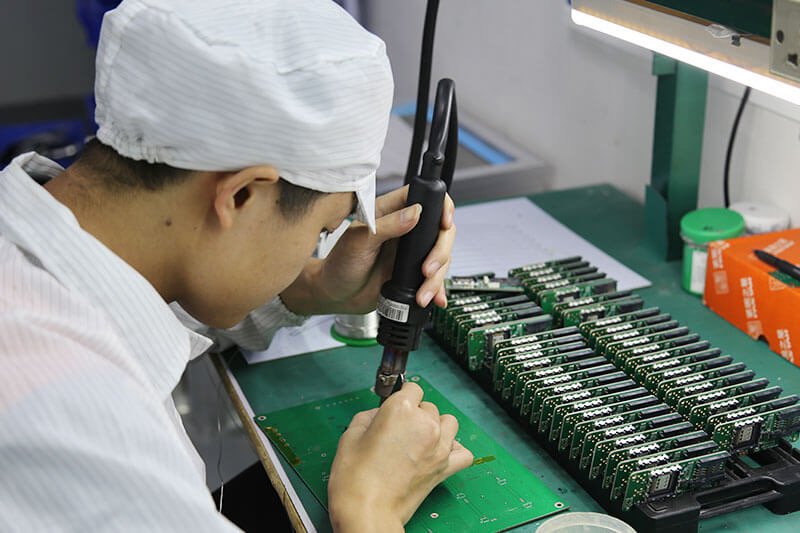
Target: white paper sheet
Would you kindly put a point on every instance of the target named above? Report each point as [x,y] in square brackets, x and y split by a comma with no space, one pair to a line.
[312,336]
[497,236]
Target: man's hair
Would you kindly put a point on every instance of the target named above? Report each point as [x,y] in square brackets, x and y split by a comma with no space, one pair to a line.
[118,171]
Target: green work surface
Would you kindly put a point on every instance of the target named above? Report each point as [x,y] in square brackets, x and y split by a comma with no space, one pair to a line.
[494,494]
[613,222]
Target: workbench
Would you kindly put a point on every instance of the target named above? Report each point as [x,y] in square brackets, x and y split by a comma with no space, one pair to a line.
[607,218]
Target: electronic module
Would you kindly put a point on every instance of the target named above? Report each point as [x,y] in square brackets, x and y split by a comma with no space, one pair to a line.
[657,424]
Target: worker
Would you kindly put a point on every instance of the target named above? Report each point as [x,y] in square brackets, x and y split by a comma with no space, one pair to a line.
[231,134]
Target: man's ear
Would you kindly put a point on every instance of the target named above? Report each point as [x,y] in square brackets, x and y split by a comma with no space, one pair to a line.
[235,190]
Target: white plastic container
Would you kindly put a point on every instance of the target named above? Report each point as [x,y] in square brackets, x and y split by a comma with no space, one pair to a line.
[761,218]
[584,523]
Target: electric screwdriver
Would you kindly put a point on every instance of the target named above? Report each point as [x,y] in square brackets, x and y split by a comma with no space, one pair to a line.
[401,318]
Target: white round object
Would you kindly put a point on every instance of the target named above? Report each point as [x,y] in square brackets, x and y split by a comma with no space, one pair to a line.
[762,218]
[584,523]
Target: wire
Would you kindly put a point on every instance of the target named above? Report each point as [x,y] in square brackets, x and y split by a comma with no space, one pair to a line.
[219,463]
[726,182]
[220,434]
[423,88]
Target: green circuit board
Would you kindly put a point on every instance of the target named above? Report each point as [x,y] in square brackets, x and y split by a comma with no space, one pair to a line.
[494,494]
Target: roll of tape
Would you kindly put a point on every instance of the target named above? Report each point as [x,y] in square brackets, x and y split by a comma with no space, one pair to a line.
[357,326]
[761,217]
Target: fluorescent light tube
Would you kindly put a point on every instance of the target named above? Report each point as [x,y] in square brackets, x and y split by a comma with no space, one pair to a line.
[738,74]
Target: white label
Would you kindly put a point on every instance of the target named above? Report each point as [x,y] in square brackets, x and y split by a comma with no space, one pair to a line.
[393,310]
[698,280]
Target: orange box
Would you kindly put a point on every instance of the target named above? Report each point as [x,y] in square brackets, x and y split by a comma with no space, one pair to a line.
[752,295]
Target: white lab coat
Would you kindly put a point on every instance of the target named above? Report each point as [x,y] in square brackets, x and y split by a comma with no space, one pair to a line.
[89,355]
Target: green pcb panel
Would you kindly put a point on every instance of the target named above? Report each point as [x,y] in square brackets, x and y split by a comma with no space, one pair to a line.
[494,494]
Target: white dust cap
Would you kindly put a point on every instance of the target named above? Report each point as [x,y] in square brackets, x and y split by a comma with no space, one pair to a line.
[218,86]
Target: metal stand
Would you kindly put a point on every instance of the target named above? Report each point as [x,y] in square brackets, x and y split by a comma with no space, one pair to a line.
[677,150]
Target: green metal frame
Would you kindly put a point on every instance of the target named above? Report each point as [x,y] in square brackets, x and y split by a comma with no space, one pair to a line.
[748,16]
[677,151]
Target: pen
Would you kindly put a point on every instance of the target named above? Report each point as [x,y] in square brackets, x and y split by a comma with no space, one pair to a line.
[784,266]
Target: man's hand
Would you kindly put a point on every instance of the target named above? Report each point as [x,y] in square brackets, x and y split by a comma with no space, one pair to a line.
[389,460]
[349,280]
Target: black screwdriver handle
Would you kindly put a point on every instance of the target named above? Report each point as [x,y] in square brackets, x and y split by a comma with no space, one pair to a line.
[402,319]
[415,246]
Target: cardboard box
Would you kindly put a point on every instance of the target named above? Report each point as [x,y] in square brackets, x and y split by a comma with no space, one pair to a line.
[752,295]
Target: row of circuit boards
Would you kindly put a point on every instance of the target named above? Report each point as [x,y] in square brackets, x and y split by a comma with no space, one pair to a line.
[634,400]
